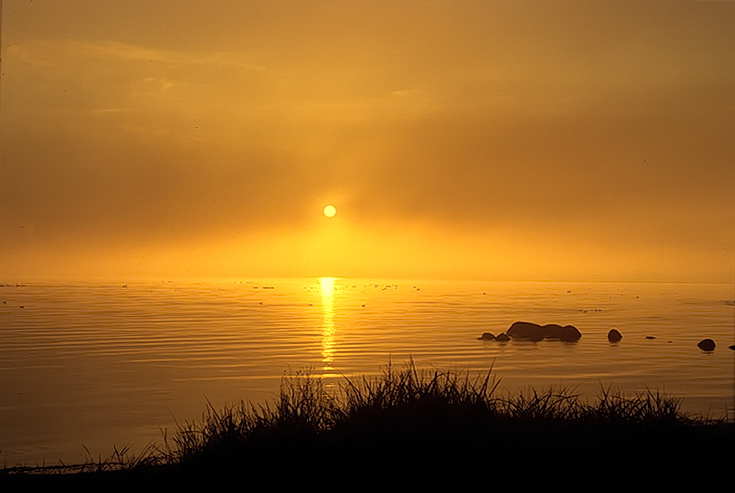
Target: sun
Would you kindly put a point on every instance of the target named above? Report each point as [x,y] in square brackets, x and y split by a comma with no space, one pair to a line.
[330,210]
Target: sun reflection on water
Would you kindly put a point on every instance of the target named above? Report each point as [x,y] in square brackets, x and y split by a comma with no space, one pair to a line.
[328,329]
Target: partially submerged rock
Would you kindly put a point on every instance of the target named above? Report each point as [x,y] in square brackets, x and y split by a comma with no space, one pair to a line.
[502,337]
[534,332]
[487,336]
[706,345]
[614,335]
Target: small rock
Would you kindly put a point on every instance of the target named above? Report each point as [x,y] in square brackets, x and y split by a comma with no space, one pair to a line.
[487,336]
[650,337]
[614,335]
[502,337]
[706,345]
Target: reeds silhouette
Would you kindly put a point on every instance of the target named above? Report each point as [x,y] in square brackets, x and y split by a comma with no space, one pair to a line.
[423,426]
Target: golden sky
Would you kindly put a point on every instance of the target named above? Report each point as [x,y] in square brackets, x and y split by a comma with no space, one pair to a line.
[483,139]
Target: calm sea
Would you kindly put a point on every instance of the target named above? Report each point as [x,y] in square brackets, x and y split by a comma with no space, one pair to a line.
[110,364]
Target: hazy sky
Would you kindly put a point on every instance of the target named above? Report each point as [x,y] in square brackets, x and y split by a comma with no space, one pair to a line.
[485,139]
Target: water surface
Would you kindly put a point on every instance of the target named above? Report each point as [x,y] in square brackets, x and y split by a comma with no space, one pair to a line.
[105,364]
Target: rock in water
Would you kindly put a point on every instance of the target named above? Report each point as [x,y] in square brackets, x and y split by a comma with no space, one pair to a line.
[614,335]
[487,336]
[526,330]
[534,332]
[502,337]
[706,345]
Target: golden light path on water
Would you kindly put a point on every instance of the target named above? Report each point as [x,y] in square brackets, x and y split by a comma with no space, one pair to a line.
[328,329]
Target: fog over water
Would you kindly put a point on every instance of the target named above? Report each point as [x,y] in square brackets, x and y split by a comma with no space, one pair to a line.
[523,139]
[166,167]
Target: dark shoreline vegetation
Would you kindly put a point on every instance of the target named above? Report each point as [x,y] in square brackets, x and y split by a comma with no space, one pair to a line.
[420,427]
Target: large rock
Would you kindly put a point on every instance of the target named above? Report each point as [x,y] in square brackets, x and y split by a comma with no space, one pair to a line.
[534,332]
[706,345]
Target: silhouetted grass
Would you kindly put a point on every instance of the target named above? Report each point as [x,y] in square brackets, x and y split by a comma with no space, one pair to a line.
[423,426]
